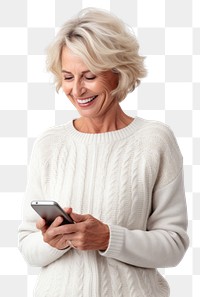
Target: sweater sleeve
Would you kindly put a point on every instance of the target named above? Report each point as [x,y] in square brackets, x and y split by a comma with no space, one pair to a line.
[165,241]
[35,251]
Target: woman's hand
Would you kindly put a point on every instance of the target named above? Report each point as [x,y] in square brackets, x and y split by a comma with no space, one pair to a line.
[87,233]
[57,241]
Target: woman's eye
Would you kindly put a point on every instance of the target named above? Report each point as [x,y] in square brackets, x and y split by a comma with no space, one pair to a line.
[68,77]
[90,78]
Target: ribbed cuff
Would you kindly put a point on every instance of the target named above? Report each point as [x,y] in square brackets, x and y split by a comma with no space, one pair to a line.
[115,243]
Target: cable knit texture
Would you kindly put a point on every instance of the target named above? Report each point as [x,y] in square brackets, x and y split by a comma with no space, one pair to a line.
[132,180]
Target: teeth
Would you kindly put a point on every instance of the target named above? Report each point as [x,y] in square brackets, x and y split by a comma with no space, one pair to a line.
[86,100]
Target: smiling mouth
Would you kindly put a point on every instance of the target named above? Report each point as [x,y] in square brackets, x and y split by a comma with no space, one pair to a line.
[86,101]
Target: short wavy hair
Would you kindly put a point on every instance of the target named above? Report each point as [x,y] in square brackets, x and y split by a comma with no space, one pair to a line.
[103,42]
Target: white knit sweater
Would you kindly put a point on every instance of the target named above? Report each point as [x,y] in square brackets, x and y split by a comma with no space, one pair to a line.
[132,180]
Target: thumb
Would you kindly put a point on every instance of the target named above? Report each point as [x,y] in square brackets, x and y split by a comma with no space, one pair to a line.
[78,217]
[68,210]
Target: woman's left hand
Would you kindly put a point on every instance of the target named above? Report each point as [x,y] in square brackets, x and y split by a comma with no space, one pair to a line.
[87,233]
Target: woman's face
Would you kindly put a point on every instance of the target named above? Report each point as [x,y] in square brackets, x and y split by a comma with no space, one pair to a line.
[89,93]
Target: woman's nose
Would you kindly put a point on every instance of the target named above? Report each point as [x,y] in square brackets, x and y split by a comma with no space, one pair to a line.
[78,89]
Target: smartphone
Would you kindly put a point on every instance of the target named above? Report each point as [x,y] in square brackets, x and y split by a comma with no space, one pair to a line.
[50,210]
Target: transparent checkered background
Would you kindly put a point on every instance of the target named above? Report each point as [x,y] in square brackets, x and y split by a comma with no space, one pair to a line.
[169,35]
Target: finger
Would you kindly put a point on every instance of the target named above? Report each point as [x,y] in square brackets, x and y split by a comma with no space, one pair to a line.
[72,228]
[78,217]
[56,222]
[51,235]
[70,241]
[49,229]
[64,229]
[40,224]
[53,241]
[68,210]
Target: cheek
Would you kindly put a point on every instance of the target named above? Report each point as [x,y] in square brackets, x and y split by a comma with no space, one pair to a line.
[67,92]
[109,82]
[65,89]
[104,85]
[109,86]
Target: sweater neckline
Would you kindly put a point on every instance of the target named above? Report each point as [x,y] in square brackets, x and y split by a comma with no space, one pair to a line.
[104,137]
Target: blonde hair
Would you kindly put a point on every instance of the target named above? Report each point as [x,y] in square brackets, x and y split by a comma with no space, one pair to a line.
[104,43]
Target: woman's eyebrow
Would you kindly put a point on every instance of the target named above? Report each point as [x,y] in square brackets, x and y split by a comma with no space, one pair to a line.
[65,71]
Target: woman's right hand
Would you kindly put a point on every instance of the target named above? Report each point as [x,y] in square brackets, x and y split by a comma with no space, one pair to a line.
[58,241]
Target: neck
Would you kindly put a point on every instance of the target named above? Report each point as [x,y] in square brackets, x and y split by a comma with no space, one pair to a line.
[114,120]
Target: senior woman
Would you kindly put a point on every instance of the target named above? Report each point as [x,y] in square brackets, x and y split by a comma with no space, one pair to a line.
[120,177]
